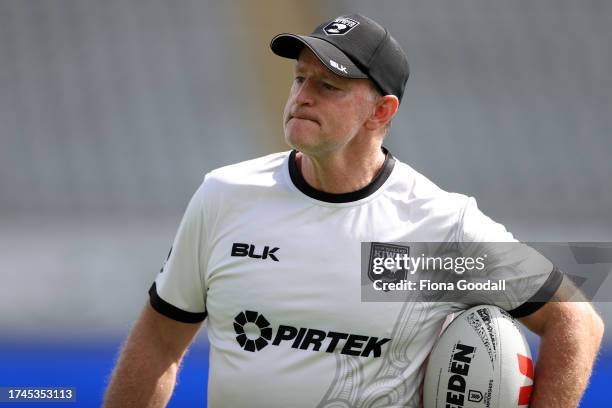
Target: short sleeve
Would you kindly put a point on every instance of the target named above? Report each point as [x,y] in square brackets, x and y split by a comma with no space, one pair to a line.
[530,278]
[179,291]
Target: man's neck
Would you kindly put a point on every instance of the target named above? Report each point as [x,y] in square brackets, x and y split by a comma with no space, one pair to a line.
[341,172]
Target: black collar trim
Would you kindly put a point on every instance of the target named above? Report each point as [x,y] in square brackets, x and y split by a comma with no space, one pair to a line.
[304,187]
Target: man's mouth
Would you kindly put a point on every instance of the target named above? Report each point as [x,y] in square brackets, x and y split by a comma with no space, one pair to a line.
[304,117]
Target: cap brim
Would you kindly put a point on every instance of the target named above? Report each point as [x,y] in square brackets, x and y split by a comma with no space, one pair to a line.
[290,46]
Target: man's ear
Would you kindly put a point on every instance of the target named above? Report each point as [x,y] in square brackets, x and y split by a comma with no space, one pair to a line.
[384,110]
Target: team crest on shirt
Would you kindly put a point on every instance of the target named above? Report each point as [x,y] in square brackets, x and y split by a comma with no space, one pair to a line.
[388,275]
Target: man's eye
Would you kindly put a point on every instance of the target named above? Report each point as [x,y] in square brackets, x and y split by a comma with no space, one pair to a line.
[299,79]
[329,87]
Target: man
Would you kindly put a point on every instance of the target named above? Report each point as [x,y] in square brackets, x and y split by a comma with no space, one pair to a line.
[269,253]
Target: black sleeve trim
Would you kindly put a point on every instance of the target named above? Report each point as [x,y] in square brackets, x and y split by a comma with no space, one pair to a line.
[171,311]
[543,295]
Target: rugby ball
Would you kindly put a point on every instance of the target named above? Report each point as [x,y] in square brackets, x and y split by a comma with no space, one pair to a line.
[481,360]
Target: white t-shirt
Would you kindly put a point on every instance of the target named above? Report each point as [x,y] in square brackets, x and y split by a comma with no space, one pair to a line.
[275,267]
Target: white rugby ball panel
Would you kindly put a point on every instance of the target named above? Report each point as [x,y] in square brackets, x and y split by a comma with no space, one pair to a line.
[480,360]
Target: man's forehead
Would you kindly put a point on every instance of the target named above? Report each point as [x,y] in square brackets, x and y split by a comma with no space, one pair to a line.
[307,60]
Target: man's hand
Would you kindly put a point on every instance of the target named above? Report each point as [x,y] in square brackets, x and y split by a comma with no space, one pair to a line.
[147,367]
[570,336]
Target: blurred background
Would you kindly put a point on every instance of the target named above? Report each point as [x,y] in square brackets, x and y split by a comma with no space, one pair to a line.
[112,111]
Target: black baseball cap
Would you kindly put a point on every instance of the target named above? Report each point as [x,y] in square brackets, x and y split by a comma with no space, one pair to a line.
[352,46]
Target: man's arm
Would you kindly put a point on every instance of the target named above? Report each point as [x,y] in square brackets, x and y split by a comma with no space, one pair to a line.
[570,336]
[146,370]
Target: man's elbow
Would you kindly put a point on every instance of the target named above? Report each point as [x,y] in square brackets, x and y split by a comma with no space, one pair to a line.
[593,323]
[571,322]
[598,325]
[586,323]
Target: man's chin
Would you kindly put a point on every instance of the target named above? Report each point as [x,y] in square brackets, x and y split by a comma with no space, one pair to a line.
[297,143]
[299,138]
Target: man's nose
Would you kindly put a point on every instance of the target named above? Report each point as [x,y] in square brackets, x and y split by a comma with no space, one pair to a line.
[304,93]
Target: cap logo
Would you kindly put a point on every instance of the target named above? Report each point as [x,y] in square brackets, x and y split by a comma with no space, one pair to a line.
[338,66]
[340,26]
